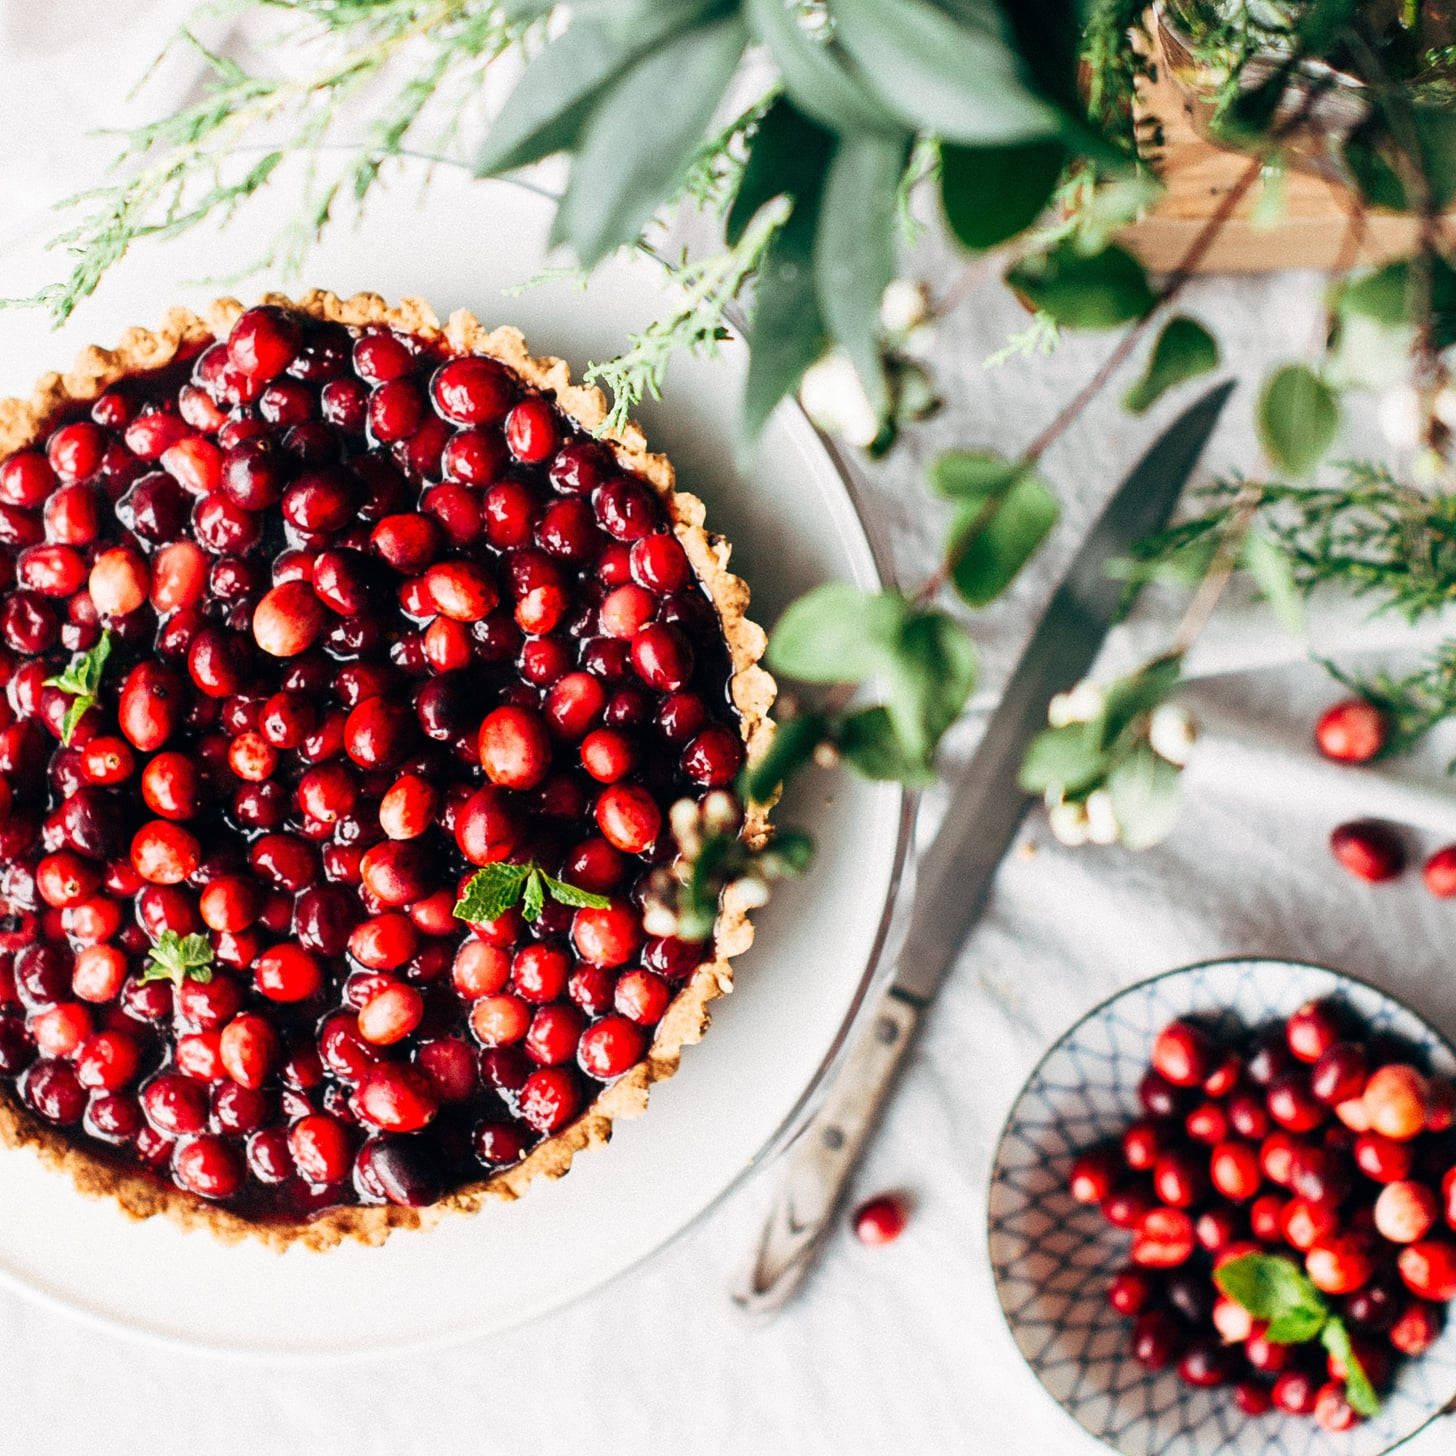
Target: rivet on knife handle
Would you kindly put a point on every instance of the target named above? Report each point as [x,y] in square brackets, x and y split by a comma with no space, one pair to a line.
[819,1164]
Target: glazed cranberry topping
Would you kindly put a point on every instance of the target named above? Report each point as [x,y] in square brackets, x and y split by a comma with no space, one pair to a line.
[376,616]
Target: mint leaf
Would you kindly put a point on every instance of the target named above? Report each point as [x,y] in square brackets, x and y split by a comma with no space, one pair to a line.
[178,958]
[1295,1327]
[574,895]
[1272,1288]
[491,891]
[1335,1337]
[534,897]
[82,679]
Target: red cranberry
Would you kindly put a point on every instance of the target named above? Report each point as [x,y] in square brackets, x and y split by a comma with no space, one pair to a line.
[714,757]
[1369,849]
[1352,731]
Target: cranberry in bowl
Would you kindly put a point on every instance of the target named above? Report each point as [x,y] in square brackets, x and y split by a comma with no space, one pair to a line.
[1197,1157]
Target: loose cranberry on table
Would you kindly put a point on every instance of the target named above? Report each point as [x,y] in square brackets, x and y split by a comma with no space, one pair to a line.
[343,619]
[1312,1144]
[1352,731]
[1369,850]
[880,1220]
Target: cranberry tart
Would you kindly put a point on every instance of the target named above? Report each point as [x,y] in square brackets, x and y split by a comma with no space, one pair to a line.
[351,670]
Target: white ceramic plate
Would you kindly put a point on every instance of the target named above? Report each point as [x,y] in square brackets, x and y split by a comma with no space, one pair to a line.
[1052,1257]
[793,522]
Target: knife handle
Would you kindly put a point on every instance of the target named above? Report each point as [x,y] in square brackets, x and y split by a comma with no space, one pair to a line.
[818,1167]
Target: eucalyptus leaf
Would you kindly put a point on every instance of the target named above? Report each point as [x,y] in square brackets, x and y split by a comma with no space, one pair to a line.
[1063,760]
[837,633]
[642,135]
[1185,349]
[1146,796]
[788,156]
[1298,417]
[792,746]
[928,680]
[1272,569]
[1139,692]
[961,79]
[974,475]
[814,72]
[991,543]
[868,743]
[1081,291]
[854,249]
[992,193]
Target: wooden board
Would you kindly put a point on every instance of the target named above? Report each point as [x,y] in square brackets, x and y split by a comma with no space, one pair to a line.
[1313,227]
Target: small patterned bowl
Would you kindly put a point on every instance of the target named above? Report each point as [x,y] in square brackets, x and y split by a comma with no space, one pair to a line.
[1052,1257]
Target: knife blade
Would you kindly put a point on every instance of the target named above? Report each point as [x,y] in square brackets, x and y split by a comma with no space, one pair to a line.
[957,871]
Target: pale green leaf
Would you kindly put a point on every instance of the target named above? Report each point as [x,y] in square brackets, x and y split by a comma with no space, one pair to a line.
[1185,349]
[992,542]
[1298,417]
[837,633]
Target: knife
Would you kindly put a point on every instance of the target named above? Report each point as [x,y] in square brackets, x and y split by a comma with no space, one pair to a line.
[955,875]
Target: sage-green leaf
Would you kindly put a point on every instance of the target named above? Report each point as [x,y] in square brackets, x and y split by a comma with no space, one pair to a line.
[974,475]
[837,633]
[854,249]
[788,154]
[791,747]
[546,108]
[1185,349]
[1065,760]
[1274,573]
[1146,796]
[814,72]
[991,543]
[869,744]
[992,193]
[1081,291]
[1298,417]
[961,79]
[929,677]
[642,135]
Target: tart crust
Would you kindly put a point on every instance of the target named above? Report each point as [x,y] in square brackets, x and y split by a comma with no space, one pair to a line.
[752,689]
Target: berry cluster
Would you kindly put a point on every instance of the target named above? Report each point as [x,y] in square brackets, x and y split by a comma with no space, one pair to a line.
[295,633]
[1307,1140]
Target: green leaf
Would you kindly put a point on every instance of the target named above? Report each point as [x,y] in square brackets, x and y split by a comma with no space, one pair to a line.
[1335,1337]
[837,633]
[491,891]
[1376,178]
[792,746]
[1080,291]
[929,678]
[1269,1286]
[178,958]
[788,156]
[1063,760]
[1295,1326]
[533,897]
[854,249]
[641,138]
[814,73]
[963,81]
[786,333]
[789,852]
[1298,417]
[1146,796]
[1272,569]
[82,678]
[991,543]
[869,744]
[992,193]
[1185,349]
[974,475]
[1139,692]
[573,895]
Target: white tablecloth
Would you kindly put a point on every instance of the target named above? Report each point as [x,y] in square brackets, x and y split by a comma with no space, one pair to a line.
[900,1348]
